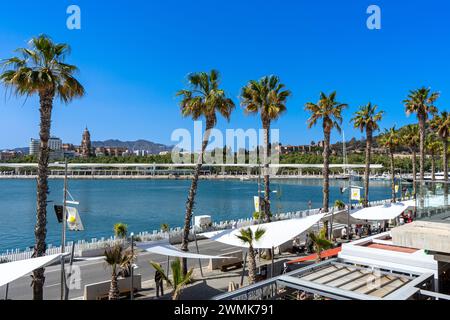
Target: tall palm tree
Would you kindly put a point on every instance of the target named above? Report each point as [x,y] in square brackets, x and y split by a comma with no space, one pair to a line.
[433,147]
[40,69]
[248,237]
[390,141]
[441,126]
[118,260]
[179,280]
[410,137]
[367,118]
[205,99]
[421,102]
[267,97]
[329,111]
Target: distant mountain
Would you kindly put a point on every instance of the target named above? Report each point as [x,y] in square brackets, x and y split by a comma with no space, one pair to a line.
[24,150]
[149,146]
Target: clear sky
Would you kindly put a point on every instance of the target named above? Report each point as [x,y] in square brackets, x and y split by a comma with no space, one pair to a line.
[134,55]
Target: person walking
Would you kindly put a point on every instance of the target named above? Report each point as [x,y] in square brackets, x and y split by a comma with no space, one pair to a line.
[159,283]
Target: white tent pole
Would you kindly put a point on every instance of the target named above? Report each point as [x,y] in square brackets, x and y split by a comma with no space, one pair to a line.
[168,264]
[271,270]
[6,293]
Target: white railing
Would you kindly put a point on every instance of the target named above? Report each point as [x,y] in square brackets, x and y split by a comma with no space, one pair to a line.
[94,244]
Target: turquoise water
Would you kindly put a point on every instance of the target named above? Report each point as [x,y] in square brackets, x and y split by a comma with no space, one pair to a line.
[145,204]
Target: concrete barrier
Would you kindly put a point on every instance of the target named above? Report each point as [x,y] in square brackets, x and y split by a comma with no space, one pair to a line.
[100,290]
[235,259]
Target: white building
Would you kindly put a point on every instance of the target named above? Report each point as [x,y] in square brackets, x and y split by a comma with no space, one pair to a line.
[34,146]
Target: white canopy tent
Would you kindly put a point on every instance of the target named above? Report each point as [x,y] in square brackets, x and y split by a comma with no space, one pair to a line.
[387,211]
[11,271]
[165,249]
[277,233]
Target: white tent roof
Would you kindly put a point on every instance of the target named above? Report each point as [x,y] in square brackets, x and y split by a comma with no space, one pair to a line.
[165,249]
[277,233]
[11,271]
[384,212]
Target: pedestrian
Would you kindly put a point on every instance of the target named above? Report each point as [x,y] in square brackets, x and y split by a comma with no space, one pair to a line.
[159,283]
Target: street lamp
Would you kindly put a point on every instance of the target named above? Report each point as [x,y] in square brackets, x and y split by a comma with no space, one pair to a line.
[132,266]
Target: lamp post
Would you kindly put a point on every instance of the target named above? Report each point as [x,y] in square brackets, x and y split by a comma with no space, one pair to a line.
[132,266]
[63,236]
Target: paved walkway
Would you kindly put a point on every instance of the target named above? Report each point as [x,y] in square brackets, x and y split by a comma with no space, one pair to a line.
[213,283]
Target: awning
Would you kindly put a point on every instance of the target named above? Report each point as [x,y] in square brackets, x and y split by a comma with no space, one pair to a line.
[165,249]
[277,233]
[11,271]
[384,212]
[325,254]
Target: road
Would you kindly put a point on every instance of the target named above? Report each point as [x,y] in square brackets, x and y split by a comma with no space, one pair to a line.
[95,270]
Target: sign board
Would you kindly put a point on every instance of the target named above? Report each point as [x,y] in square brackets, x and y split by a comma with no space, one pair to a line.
[73,219]
[356,194]
[256,201]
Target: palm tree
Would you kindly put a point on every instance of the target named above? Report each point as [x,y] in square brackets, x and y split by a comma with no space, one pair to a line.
[433,147]
[367,118]
[118,260]
[205,99]
[390,140]
[410,137]
[441,126]
[41,70]
[320,243]
[330,112]
[248,237]
[179,280]
[421,102]
[120,230]
[267,97]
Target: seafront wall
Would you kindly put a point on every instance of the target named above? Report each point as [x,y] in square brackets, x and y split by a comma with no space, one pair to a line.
[164,177]
[95,247]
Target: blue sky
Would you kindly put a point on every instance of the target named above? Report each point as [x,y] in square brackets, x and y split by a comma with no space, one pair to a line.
[134,55]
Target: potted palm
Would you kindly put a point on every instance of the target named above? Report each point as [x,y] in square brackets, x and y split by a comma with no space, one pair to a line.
[117,259]
[178,281]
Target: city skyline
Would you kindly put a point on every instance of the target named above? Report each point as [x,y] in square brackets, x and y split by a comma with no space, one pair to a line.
[311,47]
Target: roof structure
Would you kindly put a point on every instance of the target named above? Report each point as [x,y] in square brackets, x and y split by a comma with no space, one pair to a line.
[277,233]
[165,249]
[337,279]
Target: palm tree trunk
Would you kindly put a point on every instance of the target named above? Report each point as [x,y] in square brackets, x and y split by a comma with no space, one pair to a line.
[266,127]
[392,175]
[192,192]
[326,170]
[40,231]
[251,265]
[445,165]
[367,169]
[414,169]
[114,292]
[422,146]
[433,167]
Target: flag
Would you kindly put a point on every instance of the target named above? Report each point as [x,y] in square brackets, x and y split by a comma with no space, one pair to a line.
[356,194]
[73,219]
[256,201]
